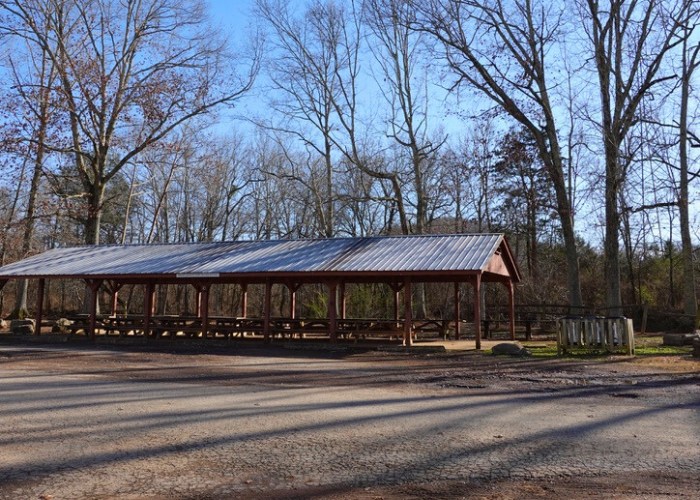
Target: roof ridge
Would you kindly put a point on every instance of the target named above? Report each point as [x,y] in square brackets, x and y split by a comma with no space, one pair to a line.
[278,240]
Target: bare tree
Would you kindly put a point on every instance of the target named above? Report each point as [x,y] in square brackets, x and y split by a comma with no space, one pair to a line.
[397,54]
[34,87]
[503,50]
[478,148]
[630,42]
[305,70]
[525,192]
[689,63]
[130,72]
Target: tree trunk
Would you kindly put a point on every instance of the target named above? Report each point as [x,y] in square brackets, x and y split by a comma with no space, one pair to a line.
[93,219]
[551,156]
[690,305]
[611,249]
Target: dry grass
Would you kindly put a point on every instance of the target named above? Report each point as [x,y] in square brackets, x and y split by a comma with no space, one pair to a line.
[674,364]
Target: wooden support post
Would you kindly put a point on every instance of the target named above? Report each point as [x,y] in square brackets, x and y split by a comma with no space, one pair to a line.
[154,300]
[93,287]
[396,287]
[477,310]
[113,287]
[293,287]
[343,302]
[199,302]
[333,310]
[511,310]
[39,306]
[114,303]
[396,306]
[244,300]
[408,313]
[293,304]
[204,308]
[267,310]
[458,312]
[148,308]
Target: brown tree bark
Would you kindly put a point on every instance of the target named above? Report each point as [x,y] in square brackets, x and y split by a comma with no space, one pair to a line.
[130,73]
[630,42]
[523,36]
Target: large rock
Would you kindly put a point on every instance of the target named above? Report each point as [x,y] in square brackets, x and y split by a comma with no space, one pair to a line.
[22,326]
[680,339]
[509,349]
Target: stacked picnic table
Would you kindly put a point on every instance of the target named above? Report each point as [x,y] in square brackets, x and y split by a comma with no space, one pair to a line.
[167,326]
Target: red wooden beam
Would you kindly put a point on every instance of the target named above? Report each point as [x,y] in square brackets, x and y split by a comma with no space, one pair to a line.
[148,306]
[93,286]
[333,310]
[408,313]
[267,310]
[39,306]
[511,309]
[458,312]
[244,300]
[477,310]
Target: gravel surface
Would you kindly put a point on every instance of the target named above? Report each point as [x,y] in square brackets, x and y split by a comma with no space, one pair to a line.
[116,422]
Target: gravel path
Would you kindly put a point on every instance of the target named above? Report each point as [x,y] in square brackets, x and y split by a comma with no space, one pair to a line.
[116,423]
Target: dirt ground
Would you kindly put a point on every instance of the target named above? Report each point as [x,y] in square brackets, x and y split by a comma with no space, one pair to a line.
[86,421]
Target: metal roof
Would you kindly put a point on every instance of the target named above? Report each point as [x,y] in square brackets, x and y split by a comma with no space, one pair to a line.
[461,253]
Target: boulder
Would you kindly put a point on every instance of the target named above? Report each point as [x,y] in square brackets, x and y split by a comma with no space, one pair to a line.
[680,339]
[61,325]
[22,326]
[509,349]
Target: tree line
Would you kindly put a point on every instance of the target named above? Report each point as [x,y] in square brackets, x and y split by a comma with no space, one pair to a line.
[570,126]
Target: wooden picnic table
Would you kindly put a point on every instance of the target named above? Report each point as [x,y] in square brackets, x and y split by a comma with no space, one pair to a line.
[188,326]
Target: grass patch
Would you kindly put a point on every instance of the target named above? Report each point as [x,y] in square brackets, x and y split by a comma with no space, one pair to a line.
[654,346]
[663,350]
[542,351]
[649,353]
[644,347]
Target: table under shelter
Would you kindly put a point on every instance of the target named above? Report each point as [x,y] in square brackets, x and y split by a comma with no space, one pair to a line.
[398,261]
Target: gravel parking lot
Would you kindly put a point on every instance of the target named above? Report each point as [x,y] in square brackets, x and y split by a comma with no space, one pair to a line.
[117,422]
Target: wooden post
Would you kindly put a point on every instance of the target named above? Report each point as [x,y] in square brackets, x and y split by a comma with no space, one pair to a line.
[148,308]
[293,287]
[511,310]
[113,288]
[93,286]
[39,306]
[477,310]
[458,312]
[115,302]
[244,300]
[396,287]
[333,311]
[343,302]
[154,300]
[199,302]
[396,305]
[204,308]
[408,313]
[267,310]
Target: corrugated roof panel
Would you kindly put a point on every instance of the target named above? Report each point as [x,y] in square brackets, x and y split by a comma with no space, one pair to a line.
[465,252]
[421,253]
[274,256]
